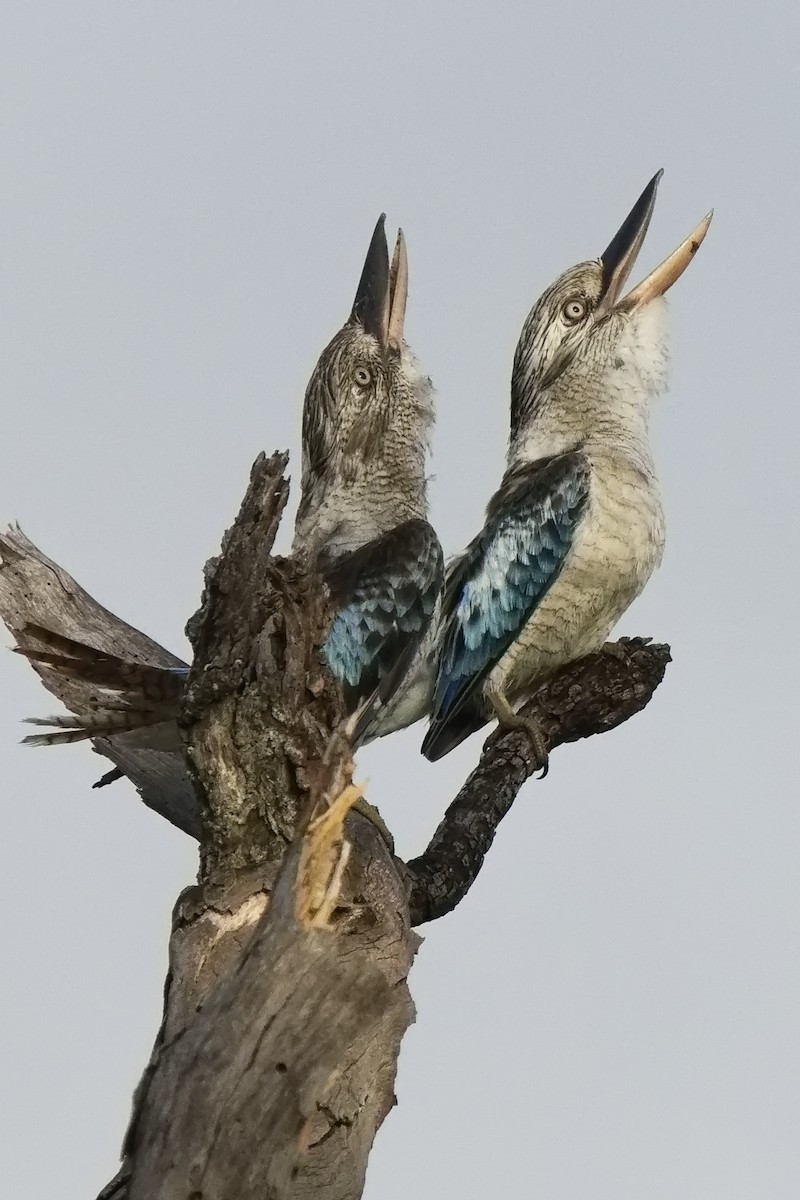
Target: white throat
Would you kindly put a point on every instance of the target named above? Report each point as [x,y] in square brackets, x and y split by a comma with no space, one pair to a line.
[604,406]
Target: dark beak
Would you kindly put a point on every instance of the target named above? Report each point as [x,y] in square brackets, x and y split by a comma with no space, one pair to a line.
[380,303]
[618,259]
[371,305]
[619,256]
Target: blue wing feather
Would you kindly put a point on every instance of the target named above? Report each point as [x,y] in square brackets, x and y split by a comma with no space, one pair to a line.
[506,571]
[386,594]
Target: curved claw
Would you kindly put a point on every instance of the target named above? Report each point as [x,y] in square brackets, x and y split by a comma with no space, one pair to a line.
[508,719]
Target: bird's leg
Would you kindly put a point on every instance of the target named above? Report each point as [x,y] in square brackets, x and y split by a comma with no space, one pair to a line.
[369,811]
[509,719]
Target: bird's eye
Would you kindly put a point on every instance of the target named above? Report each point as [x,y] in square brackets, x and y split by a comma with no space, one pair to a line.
[363,376]
[574,310]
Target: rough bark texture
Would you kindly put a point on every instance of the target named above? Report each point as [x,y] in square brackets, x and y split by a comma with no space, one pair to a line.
[276,1059]
[286,998]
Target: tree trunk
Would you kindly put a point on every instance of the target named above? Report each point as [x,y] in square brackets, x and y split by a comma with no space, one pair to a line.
[287,997]
[276,1061]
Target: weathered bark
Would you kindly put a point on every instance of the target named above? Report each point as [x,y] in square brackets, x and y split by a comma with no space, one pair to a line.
[286,999]
[276,1060]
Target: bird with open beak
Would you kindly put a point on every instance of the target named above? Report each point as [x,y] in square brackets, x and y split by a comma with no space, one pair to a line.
[576,528]
[367,418]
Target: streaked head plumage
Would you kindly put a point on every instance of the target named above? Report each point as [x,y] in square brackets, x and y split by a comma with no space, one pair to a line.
[583,328]
[367,404]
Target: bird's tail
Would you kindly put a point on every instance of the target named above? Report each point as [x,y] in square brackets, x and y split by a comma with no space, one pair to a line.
[62,730]
[444,735]
[121,696]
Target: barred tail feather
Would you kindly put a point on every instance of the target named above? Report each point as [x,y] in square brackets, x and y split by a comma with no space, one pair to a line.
[63,738]
[63,730]
[77,660]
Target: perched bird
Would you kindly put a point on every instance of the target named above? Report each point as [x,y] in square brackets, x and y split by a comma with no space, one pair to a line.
[367,419]
[576,527]
[361,522]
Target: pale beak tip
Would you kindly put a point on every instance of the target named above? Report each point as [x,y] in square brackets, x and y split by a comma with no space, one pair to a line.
[701,231]
[398,291]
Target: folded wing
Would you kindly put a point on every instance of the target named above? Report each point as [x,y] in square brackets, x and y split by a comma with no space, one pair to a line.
[494,589]
[386,593]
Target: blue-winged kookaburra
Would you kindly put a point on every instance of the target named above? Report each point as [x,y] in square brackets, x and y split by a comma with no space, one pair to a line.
[367,418]
[576,527]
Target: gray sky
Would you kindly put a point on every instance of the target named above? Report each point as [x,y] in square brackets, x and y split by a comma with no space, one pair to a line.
[187,194]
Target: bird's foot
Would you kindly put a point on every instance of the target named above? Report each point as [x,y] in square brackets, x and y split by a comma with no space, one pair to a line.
[509,719]
[621,649]
[532,729]
[374,817]
[617,650]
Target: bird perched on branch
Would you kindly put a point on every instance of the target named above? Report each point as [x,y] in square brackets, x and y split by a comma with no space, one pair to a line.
[367,419]
[576,527]
[362,523]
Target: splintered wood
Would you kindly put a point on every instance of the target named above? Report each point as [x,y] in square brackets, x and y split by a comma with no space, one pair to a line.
[323,860]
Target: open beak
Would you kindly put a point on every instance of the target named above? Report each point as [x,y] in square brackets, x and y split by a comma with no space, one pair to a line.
[620,256]
[380,303]
[398,292]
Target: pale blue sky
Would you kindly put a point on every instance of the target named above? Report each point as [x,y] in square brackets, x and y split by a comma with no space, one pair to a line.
[187,192]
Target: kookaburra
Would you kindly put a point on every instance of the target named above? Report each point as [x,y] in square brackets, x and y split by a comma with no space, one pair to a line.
[576,528]
[367,420]
[362,525]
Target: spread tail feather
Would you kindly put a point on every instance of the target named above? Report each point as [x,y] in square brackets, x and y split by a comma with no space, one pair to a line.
[63,730]
[134,681]
[121,695]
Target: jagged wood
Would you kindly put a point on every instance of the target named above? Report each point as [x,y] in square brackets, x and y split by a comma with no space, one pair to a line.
[276,1059]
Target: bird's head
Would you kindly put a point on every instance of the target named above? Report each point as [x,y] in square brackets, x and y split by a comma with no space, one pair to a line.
[366,395]
[583,331]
